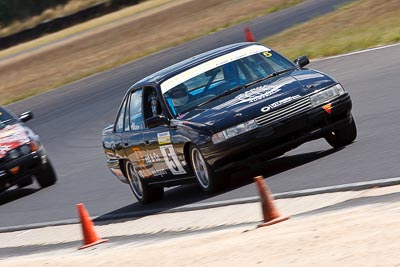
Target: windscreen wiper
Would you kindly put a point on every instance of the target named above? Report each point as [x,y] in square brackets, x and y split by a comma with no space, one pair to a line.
[276,73]
[225,93]
[3,123]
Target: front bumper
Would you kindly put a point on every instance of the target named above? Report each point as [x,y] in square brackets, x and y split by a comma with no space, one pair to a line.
[270,141]
[15,171]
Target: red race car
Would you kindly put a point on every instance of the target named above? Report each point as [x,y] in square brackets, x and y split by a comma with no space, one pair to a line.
[22,156]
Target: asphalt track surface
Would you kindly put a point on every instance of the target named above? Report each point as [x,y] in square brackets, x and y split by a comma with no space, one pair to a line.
[70,119]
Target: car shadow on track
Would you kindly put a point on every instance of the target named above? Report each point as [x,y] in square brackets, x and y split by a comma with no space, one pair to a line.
[269,168]
[177,198]
[14,194]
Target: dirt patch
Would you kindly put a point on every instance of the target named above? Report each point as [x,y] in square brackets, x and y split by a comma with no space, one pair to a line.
[112,45]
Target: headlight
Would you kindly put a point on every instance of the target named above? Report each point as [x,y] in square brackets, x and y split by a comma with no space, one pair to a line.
[234,131]
[13,154]
[326,95]
[25,149]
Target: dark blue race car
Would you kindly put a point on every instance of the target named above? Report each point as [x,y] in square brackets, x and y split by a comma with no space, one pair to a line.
[220,109]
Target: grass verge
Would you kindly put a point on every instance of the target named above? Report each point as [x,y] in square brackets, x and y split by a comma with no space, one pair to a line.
[356,26]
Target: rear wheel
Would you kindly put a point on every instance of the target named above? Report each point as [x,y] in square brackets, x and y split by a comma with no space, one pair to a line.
[47,176]
[143,192]
[206,177]
[344,136]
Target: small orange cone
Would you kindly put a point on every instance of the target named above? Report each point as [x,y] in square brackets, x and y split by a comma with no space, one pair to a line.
[270,213]
[90,237]
[249,35]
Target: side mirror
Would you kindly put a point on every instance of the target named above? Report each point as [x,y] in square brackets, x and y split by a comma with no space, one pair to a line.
[155,121]
[26,116]
[302,61]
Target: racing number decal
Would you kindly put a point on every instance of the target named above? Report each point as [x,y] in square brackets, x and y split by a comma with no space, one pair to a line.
[267,54]
[171,160]
[142,164]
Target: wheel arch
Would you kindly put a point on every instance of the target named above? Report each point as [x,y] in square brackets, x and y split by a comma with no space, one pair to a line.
[186,151]
[122,167]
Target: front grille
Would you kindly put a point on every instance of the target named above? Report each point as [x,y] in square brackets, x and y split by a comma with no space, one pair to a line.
[285,112]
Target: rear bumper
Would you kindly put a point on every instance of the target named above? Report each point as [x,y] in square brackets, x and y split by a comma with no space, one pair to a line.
[14,171]
[270,141]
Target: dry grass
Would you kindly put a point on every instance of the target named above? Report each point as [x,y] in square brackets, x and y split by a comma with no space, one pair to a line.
[115,44]
[363,24]
[60,10]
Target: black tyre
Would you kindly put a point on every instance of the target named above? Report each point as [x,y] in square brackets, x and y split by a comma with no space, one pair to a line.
[342,137]
[206,177]
[47,176]
[143,192]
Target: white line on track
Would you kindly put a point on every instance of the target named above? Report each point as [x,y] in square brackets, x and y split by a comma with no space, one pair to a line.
[356,52]
[298,193]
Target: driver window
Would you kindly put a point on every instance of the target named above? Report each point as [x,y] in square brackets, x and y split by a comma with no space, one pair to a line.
[151,105]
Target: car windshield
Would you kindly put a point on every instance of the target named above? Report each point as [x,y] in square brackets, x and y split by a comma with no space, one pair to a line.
[205,83]
[6,117]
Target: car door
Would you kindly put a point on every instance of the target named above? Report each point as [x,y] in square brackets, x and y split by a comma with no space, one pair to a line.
[160,152]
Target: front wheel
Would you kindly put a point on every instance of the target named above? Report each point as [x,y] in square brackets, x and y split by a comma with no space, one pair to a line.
[47,176]
[342,137]
[143,192]
[206,177]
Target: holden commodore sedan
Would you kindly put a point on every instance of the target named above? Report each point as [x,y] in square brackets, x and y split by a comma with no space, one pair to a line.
[223,108]
[22,156]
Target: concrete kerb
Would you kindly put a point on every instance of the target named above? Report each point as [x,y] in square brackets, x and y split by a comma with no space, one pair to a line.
[104,219]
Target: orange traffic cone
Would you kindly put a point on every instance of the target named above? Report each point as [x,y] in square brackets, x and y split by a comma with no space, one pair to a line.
[90,237]
[270,213]
[249,35]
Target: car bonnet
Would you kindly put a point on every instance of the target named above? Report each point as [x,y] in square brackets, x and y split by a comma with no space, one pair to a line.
[12,136]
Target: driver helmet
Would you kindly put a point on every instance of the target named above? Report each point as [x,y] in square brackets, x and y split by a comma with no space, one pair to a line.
[179,95]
